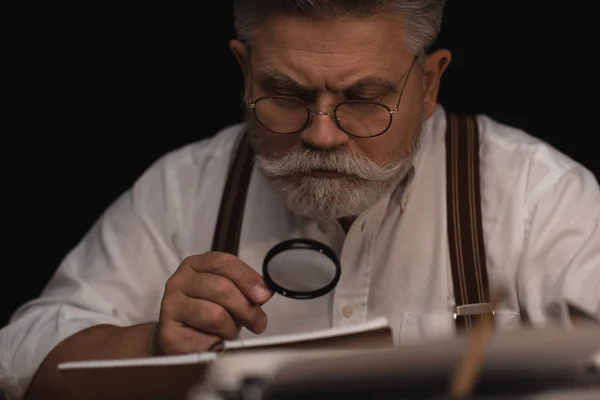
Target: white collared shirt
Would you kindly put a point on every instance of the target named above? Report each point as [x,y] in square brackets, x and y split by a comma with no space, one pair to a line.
[541,221]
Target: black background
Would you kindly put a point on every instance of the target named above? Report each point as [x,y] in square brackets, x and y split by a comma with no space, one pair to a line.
[110,86]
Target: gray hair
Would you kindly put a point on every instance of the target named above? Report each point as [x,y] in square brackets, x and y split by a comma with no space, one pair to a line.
[422,18]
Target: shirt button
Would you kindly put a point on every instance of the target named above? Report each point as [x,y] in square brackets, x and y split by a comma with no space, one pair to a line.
[347,311]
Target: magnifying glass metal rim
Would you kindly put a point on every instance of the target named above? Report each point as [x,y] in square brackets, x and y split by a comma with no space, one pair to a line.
[308,244]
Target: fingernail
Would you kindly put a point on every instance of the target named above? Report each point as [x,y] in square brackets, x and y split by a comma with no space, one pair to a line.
[260,293]
[217,346]
[261,324]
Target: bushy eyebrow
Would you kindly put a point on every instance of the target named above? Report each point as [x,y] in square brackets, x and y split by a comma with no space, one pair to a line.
[273,80]
[277,81]
[371,83]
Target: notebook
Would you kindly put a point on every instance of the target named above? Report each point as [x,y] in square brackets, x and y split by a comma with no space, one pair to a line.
[171,377]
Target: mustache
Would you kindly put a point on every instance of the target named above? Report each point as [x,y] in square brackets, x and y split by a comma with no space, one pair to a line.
[305,160]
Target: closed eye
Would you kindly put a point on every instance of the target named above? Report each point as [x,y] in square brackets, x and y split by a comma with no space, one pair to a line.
[375,96]
[369,89]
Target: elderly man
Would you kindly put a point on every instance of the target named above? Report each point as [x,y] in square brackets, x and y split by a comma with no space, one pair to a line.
[350,148]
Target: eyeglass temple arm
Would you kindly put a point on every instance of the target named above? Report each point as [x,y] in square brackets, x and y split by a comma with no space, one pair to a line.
[394,111]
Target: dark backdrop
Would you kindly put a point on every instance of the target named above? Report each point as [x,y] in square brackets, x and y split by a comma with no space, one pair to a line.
[110,86]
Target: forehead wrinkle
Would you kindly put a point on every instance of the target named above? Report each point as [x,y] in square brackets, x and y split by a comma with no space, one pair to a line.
[284,71]
[312,50]
[353,82]
[311,53]
[304,68]
[334,82]
[327,50]
[331,62]
[330,78]
[320,34]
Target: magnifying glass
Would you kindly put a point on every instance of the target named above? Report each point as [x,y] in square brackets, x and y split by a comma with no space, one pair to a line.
[301,269]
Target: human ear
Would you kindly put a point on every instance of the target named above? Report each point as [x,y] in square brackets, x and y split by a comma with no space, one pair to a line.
[434,66]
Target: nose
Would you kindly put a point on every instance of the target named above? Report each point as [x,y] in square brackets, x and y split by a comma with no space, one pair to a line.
[323,133]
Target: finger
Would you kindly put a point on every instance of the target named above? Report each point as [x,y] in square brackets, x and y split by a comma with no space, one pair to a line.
[218,289]
[175,338]
[202,315]
[245,278]
[221,290]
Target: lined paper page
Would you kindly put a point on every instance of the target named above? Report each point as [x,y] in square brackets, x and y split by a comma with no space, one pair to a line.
[206,357]
[195,358]
[375,324]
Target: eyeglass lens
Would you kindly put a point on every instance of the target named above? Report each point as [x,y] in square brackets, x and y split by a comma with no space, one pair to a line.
[287,115]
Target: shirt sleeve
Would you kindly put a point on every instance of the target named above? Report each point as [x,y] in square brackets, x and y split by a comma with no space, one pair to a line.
[115,275]
[560,266]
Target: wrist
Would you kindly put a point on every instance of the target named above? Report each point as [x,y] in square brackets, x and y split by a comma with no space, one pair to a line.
[155,349]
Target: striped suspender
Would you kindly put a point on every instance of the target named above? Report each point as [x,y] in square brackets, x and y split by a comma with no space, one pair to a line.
[465,233]
[231,213]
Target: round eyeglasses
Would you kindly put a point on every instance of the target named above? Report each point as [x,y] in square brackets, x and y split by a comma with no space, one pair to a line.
[288,115]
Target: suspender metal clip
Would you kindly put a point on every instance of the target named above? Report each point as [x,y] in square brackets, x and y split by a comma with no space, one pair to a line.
[474,309]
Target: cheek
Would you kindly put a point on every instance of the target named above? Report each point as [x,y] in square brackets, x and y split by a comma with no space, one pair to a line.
[375,150]
[274,144]
[396,142]
[269,143]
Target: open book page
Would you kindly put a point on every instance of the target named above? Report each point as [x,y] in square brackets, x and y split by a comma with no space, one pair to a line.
[357,332]
[186,359]
[169,377]
[340,335]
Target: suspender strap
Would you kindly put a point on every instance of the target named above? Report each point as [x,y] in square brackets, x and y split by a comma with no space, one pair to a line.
[231,213]
[465,233]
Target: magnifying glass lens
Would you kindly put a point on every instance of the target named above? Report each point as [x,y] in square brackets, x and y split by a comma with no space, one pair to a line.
[301,269]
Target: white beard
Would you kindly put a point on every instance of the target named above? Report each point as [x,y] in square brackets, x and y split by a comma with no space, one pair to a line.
[331,198]
[363,182]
